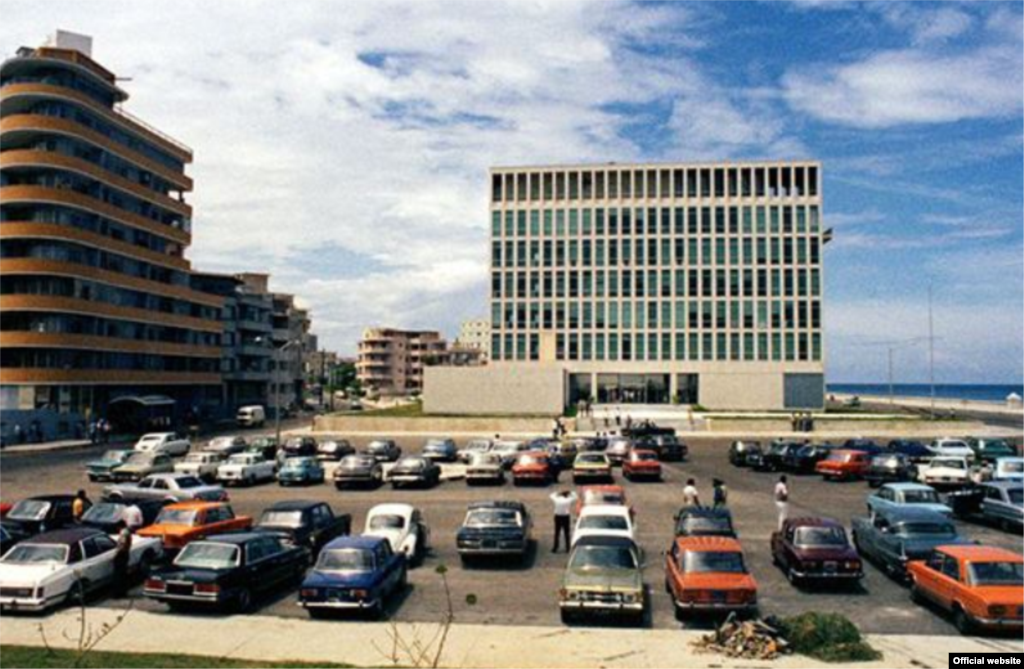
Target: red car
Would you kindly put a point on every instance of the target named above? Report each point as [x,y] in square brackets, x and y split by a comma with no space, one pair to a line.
[534,467]
[641,464]
[844,464]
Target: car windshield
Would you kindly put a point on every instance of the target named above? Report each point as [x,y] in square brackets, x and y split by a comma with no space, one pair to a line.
[378,446]
[140,458]
[1012,466]
[705,525]
[114,455]
[387,521]
[262,442]
[645,456]
[885,461]
[493,518]
[346,559]
[592,459]
[29,509]
[355,461]
[730,562]
[176,517]
[532,460]
[412,463]
[476,445]
[484,459]
[839,457]
[952,444]
[920,497]
[918,529]
[295,444]
[207,555]
[296,463]
[997,573]
[103,513]
[952,463]
[1016,496]
[437,444]
[506,447]
[35,553]
[603,497]
[820,536]
[595,522]
[597,558]
[240,459]
[282,518]
[221,442]
[997,446]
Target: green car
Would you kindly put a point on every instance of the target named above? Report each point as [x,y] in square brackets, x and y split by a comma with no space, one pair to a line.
[302,471]
[604,578]
[102,469]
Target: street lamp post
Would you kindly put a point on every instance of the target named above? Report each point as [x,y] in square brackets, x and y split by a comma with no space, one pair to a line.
[277,395]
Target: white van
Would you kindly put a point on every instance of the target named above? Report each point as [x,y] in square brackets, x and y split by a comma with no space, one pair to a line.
[253,416]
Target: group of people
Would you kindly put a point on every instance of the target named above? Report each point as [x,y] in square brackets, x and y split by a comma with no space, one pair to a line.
[99,431]
[802,421]
[32,435]
[131,521]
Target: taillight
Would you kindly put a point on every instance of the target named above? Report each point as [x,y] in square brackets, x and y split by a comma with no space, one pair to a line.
[207,588]
[155,584]
[307,592]
[852,564]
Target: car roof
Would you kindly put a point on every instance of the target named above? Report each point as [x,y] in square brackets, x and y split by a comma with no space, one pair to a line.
[237,538]
[813,521]
[605,540]
[704,512]
[169,475]
[907,486]
[397,509]
[605,510]
[721,544]
[49,498]
[355,541]
[497,504]
[66,537]
[194,504]
[1004,485]
[294,505]
[973,553]
[911,512]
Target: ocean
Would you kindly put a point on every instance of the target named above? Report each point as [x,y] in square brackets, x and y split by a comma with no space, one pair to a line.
[983,392]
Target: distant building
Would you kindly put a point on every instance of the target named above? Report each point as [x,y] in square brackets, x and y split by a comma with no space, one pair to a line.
[291,339]
[391,361]
[475,334]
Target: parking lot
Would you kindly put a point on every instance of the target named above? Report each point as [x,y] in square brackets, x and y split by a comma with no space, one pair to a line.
[527,594]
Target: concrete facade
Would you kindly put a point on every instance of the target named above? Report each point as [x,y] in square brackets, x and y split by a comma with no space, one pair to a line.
[475,334]
[494,389]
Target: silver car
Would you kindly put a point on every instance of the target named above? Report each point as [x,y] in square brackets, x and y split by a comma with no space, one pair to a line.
[485,467]
[1002,502]
[169,487]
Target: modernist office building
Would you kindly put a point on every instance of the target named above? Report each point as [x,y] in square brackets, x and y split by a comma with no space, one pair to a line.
[95,293]
[689,283]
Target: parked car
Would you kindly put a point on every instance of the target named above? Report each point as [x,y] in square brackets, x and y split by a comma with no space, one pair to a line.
[1008,469]
[8,538]
[618,449]
[708,575]
[534,467]
[266,446]
[494,528]
[202,465]
[646,428]
[601,495]
[667,446]
[304,522]
[141,464]
[39,514]
[403,526]
[509,451]
[562,454]
[170,487]
[739,450]
[297,447]
[246,469]
[945,472]
[815,549]
[184,522]
[891,538]
[360,469]
[642,464]
[334,449]
[774,457]
[803,460]
[109,516]
[981,586]
[907,494]
[300,471]
[611,520]
[163,442]
[998,502]
[890,468]
[843,464]
[441,450]
[991,450]
[586,444]
[604,577]
[65,566]
[251,416]
[485,467]
[228,571]
[704,521]
[354,574]
[953,448]
[913,450]
[414,471]
[103,468]
[590,466]
[384,450]
[864,445]
[474,446]
[226,446]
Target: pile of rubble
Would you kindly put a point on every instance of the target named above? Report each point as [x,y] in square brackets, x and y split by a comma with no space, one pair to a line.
[747,639]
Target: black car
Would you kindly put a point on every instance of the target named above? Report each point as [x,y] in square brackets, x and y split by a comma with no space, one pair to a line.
[384,450]
[362,469]
[40,514]
[108,516]
[740,453]
[265,446]
[704,521]
[414,471]
[890,468]
[305,523]
[646,428]
[8,537]
[228,571]
[863,445]
[297,447]
[667,446]
[914,450]
[803,460]
[774,459]
[494,529]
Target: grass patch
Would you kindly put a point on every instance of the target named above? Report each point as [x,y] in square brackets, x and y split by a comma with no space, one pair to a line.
[829,637]
[31,656]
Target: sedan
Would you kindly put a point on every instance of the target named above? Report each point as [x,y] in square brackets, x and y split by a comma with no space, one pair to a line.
[301,471]
[362,469]
[354,574]
[334,449]
[441,450]
[412,471]
[384,450]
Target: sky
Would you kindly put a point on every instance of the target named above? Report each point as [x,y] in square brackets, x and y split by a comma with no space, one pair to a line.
[344,147]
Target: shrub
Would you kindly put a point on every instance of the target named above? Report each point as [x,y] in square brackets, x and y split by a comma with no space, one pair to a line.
[829,637]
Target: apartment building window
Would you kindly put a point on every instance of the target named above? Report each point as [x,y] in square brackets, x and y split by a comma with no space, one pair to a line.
[548,186]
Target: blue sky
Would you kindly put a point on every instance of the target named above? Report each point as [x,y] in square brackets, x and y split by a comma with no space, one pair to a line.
[344,148]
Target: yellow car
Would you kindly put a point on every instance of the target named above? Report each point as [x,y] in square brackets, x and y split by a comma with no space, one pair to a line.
[591,466]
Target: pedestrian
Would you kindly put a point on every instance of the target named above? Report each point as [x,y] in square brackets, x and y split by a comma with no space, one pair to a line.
[132,517]
[690,495]
[618,419]
[629,421]
[782,499]
[721,493]
[19,434]
[563,501]
[106,431]
[793,422]
[555,426]
[607,424]
[94,432]
[122,561]
[81,504]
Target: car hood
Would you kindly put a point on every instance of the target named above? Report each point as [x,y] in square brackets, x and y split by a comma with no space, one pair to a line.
[27,574]
[944,471]
[604,580]
[104,464]
[163,530]
[342,579]
[932,506]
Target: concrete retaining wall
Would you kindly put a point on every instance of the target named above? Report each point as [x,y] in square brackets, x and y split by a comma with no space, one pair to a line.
[860,426]
[385,425]
[494,390]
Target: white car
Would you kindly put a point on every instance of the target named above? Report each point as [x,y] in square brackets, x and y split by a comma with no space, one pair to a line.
[225,445]
[472,447]
[945,472]
[202,465]
[509,451]
[952,447]
[604,520]
[246,469]
[163,442]
[484,466]
[61,566]
[1008,469]
[402,525]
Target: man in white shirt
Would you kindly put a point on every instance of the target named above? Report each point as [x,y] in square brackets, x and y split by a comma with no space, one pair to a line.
[690,495]
[132,517]
[782,499]
[563,502]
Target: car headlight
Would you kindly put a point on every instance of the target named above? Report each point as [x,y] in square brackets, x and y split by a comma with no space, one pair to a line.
[630,598]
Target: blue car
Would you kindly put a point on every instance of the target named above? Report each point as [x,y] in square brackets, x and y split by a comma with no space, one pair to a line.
[353,574]
[914,450]
[894,495]
[302,470]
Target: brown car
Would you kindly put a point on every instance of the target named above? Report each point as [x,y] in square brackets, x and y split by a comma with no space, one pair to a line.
[816,549]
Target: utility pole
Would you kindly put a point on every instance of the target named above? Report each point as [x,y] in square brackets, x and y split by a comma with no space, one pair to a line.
[892,394]
[931,349]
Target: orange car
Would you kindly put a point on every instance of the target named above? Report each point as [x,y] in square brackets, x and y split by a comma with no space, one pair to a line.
[602,494]
[535,467]
[641,463]
[844,464]
[982,586]
[183,522]
[708,575]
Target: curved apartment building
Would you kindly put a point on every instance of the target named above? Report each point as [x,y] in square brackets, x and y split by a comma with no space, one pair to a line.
[95,290]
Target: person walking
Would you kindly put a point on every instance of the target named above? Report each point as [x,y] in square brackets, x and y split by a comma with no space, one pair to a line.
[690,494]
[105,427]
[782,499]
[721,493]
[122,561]
[81,504]
[563,501]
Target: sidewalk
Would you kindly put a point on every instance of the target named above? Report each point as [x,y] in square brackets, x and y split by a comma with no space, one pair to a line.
[369,644]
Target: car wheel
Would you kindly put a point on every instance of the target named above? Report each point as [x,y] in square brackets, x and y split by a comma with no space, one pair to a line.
[243,601]
[963,622]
